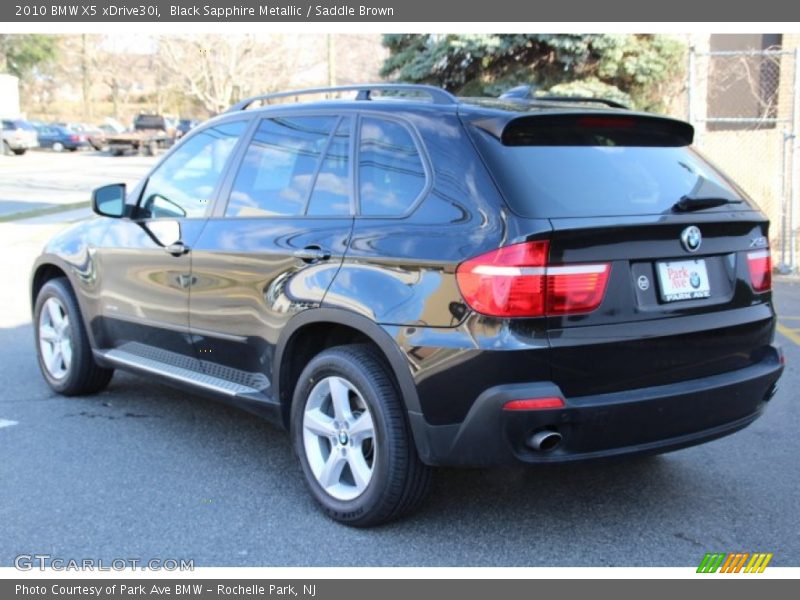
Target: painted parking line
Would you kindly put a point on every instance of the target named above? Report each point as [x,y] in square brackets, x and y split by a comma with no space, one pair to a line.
[792,333]
[7,423]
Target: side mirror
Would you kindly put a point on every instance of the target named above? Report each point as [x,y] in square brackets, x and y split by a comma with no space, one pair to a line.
[109,200]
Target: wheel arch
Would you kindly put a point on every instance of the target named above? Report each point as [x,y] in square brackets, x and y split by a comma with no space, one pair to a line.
[349,327]
[42,273]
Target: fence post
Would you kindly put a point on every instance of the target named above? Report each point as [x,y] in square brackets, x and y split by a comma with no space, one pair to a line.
[690,85]
[786,147]
[795,165]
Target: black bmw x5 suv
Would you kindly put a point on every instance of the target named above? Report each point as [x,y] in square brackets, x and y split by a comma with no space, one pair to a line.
[405,279]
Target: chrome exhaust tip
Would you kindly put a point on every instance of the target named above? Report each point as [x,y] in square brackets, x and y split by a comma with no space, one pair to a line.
[544,440]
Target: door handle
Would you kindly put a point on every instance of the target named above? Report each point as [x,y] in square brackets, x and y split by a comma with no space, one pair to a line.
[177,248]
[312,254]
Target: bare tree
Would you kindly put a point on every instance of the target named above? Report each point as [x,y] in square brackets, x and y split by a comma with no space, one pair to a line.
[116,68]
[217,70]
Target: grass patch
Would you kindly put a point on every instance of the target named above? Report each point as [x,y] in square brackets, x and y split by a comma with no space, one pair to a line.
[40,212]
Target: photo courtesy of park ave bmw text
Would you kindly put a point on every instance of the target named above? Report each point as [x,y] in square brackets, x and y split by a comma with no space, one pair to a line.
[322,300]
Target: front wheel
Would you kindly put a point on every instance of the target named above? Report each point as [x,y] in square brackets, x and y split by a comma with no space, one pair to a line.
[353,440]
[58,147]
[63,349]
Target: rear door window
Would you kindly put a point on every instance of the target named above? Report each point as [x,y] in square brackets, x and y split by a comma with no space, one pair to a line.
[331,192]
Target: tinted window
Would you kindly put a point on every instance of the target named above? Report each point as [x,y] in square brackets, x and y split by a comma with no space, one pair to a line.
[576,181]
[278,169]
[390,170]
[149,122]
[331,193]
[184,183]
[17,124]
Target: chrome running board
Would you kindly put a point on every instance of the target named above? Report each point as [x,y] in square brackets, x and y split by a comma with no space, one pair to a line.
[135,362]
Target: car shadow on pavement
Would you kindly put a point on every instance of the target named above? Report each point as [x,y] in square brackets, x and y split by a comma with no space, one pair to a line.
[161,459]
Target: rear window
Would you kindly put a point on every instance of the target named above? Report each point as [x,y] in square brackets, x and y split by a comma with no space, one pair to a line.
[552,181]
[17,124]
[149,122]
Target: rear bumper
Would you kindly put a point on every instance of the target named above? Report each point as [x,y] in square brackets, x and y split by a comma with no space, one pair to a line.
[21,144]
[653,419]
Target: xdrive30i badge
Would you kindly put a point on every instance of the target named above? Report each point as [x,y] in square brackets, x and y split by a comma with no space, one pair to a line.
[691,238]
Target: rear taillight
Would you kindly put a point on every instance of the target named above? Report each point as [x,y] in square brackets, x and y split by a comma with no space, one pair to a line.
[75,138]
[760,266]
[517,281]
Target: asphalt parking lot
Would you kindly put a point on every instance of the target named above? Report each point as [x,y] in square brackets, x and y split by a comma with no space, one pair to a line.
[144,471]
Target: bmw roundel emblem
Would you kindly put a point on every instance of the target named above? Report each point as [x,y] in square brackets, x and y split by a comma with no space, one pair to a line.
[691,238]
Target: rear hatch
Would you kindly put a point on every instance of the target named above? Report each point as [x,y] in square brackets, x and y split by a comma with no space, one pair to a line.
[687,287]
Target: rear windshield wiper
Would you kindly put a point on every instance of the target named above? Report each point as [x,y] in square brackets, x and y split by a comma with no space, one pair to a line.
[687,203]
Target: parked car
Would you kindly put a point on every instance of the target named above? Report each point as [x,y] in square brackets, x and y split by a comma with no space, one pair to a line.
[185,126]
[60,137]
[18,136]
[96,136]
[151,134]
[429,281]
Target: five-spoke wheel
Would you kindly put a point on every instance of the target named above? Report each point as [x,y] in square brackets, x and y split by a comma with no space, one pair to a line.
[352,436]
[65,355]
[338,437]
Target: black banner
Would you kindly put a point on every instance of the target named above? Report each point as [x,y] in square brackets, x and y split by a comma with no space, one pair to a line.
[473,11]
[342,589]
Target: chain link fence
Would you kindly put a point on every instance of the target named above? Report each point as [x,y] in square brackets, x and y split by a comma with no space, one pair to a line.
[744,106]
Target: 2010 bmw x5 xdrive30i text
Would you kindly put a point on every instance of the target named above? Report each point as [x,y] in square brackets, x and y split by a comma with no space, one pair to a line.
[405,282]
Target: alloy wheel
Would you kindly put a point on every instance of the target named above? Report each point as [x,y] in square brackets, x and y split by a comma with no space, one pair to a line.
[55,341]
[339,438]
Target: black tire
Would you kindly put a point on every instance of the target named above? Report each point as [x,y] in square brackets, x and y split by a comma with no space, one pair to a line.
[84,375]
[20,151]
[399,481]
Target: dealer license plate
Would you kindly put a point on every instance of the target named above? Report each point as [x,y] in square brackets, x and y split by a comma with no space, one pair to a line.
[683,280]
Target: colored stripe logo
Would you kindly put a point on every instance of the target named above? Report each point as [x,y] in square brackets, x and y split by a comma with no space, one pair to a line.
[734,562]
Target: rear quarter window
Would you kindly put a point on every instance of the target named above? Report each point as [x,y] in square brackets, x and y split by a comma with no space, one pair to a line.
[391,173]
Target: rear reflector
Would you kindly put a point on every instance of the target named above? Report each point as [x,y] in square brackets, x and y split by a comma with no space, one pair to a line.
[534,404]
[760,265]
[517,281]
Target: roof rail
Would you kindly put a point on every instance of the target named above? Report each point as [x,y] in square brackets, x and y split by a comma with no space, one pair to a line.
[437,95]
[525,92]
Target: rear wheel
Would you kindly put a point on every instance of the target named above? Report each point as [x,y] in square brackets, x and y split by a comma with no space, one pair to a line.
[351,435]
[20,151]
[63,349]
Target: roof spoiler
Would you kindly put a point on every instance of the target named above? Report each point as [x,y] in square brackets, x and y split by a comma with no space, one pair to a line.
[587,128]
